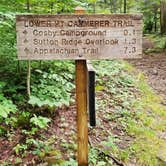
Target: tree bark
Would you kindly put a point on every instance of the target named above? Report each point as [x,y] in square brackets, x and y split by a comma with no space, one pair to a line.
[28,6]
[125,6]
[121,6]
[114,6]
[29,79]
[94,7]
[155,21]
[163,17]
[29,62]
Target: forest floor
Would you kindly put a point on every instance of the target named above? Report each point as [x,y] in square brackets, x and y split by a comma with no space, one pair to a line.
[153,65]
[60,138]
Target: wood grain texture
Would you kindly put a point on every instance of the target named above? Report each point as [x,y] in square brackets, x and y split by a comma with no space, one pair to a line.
[79,36]
[81,100]
[81,105]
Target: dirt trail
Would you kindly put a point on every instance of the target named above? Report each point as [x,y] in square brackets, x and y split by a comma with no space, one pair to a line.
[154,67]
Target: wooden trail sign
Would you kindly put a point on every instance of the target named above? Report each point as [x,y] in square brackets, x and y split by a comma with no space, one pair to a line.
[79,36]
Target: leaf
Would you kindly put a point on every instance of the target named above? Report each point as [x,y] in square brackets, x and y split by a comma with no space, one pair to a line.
[99,88]
[101,163]
[2,84]
[6,107]
[40,121]
[3,112]
[39,71]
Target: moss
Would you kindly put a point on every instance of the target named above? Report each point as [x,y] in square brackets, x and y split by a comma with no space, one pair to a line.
[150,120]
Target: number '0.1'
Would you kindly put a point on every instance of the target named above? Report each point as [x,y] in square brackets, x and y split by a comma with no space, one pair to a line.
[127,33]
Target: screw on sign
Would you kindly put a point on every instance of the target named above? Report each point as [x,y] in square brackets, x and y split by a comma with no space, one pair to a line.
[80,37]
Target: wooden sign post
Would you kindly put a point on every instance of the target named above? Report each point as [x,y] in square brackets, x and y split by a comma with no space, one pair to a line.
[81,103]
[79,37]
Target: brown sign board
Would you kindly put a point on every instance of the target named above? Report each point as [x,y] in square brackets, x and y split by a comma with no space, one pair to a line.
[85,36]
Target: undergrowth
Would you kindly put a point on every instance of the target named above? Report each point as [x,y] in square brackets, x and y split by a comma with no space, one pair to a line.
[159,42]
[127,101]
[135,107]
[147,126]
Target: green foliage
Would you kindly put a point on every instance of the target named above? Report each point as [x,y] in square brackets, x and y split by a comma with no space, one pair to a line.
[41,147]
[71,162]
[52,83]
[144,126]
[111,142]
[23,119]
[6,107]
[99,157]
[150,10]
[40,121]
[93,156]
[159,42]
[112,75]
[7,38]
[20,148]
[52,89]
[133,116]
[38,147]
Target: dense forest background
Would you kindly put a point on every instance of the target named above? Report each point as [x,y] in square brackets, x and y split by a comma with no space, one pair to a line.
[33,92]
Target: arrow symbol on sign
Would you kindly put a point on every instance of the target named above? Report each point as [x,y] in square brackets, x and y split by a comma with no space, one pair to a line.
[25,41]
[26,50]
[25,32]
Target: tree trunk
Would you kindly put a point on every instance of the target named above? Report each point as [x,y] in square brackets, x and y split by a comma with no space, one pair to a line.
[163,17]
[125,6]
[114,6]
[29,62]
[121,6]
[94,7]
[155,21]
[28,6]
[29,79]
